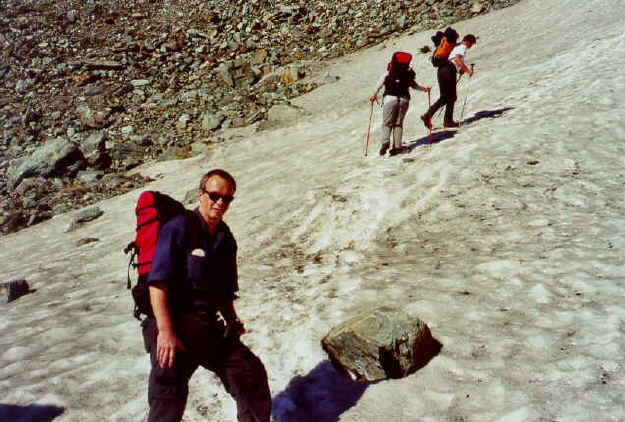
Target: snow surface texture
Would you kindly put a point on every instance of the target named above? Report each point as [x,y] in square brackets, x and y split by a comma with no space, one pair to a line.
[505,237]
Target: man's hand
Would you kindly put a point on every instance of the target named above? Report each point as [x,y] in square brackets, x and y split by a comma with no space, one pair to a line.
[166,340]
[373,97]
[166,345]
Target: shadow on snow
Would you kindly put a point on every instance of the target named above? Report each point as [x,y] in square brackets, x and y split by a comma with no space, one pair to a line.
[324,394]
[321,396]
[30,413]
[442,135]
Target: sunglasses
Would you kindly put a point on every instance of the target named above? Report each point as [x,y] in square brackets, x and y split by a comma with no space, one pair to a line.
[214,196]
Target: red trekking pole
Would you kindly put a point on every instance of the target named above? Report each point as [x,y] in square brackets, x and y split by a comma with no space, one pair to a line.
[369,130]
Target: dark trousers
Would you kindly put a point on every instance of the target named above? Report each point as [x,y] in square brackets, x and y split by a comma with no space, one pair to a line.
[241,372]
[447,86]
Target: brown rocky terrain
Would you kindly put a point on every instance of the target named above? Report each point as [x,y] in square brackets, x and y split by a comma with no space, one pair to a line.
[90,90]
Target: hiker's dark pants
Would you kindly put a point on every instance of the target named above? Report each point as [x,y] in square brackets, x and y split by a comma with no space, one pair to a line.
[241,372]
[447,86]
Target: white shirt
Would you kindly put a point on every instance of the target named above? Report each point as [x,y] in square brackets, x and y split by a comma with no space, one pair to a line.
[459,50]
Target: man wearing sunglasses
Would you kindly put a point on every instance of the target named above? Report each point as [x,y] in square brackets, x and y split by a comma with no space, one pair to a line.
[193,281]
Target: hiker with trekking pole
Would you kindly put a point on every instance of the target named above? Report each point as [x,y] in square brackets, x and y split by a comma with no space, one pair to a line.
[449,59]
[396,81]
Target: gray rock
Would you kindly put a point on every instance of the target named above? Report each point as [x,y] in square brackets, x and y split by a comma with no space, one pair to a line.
[94,150]
[83,217]
[212,121]
[57,157]
[16,289]
[137,83]
[380,344]
[96,119]
[182,122]
[224,72]
[127,130]
[29,202]
[72,16]
[103,65]
[477,7]
[88,177]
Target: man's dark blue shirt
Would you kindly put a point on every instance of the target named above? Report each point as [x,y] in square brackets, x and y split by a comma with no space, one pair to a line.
[196,267]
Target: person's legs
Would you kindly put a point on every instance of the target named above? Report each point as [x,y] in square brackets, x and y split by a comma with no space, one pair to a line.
[398,127]
[446,76]
[389,115]
[245,379]
[168,388]
[449,92]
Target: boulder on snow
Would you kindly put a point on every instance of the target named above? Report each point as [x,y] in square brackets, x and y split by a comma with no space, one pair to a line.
[83,217]
[16,289]
[380,344]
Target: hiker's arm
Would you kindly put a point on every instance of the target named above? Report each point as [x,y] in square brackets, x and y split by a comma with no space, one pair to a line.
[461,65]
[166,340]
[232,321]
[378,87]
[421,88]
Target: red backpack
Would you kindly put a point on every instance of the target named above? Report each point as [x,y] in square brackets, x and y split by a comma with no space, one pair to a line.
[153,210]
[399,59]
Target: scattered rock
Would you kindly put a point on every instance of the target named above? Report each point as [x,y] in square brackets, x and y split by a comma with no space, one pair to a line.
[380,344]
[16,289]
[75,69]
[57,157]
[86,240]
[83,217]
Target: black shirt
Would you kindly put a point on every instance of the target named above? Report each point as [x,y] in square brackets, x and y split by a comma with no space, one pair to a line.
[199,270]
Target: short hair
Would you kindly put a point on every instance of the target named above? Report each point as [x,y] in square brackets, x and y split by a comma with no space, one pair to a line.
[221,173]
[471,38]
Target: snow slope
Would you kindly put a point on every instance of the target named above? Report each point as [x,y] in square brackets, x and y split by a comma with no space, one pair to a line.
[506,237]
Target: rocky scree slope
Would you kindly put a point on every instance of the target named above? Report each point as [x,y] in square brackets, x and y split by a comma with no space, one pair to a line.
[91,89]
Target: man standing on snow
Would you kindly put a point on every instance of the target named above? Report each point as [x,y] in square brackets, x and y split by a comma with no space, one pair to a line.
[188,289]
[447,82]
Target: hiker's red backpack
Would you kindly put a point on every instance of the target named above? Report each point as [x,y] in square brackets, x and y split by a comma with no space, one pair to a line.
[399,59]
[153,210]
[400,76]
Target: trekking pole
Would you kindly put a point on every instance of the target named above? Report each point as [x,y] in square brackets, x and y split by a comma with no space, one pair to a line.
[430,120]
[466,96]
[369,130]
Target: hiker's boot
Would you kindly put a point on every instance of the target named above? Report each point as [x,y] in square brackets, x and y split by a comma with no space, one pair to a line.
[384,148]
[448,121]
[395,151]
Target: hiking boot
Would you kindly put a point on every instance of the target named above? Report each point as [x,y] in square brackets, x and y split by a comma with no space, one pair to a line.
[451,124]
[395,151]
[384,148]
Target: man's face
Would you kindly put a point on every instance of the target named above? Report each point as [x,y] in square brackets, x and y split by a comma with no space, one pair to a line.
[215,198]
